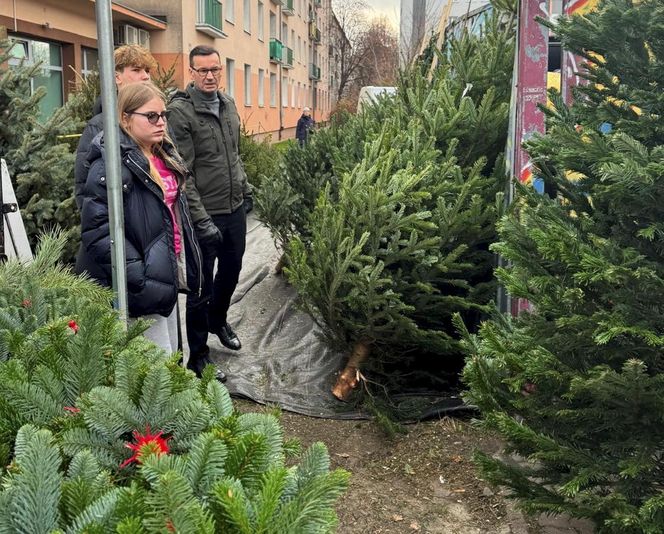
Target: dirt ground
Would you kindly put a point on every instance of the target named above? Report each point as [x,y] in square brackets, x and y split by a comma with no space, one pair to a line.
[419,482]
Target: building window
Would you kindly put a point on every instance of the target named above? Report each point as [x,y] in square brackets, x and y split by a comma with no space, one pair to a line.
[229,11]
[299,96]
[247,85]
[261,22]
[90,61]
[49,76]
[284,34]
[230,77]
[247,15]
[299,49]
[292,98]
[284,91]
[273,89]
[261,88]
[273,25]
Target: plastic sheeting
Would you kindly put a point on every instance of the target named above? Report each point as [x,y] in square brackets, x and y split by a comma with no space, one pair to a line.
[282,360]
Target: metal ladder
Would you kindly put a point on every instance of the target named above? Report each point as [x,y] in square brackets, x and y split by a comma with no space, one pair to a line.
[13,238]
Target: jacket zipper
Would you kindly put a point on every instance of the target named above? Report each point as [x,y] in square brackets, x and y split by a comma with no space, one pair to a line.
[194,242]
[129,158]
[228,159]
[191,229]
[197,249]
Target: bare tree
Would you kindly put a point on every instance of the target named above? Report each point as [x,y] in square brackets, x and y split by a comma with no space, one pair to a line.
[380,64]
[347,43]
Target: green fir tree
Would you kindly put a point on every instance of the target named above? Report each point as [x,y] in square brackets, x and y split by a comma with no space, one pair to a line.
[40,161]
[101,432]
[576,387]
[386,217]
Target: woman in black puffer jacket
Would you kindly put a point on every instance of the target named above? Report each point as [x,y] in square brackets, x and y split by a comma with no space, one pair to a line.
[162,253]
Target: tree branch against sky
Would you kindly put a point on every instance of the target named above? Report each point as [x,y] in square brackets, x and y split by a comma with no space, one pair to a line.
[381,62]
[366,57]
[352,18]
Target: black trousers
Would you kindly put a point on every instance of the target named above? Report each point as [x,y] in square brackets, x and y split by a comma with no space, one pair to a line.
[208,312]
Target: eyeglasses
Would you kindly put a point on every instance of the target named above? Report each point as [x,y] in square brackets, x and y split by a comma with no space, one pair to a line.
[204,72]
[152,116]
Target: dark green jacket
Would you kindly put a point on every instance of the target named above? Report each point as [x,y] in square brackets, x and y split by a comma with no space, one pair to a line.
[209,146]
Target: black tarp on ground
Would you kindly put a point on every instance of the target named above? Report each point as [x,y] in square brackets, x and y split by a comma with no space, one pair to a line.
[282,360]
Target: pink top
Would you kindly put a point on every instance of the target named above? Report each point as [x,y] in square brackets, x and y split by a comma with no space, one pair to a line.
[170,196]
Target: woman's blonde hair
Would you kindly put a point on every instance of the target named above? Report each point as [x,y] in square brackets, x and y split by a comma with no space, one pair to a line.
[130,98]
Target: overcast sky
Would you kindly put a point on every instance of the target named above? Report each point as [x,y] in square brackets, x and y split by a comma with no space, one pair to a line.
[389,8]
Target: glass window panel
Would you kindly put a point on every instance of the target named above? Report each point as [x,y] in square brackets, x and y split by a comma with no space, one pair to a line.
[19,51]
[90,60]
[41,53]
[52,81]
[55,55]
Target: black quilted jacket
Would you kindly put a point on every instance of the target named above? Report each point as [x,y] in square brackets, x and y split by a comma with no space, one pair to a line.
[151,263]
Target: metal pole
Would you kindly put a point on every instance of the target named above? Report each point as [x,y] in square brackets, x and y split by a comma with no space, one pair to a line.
[3,256]
[112,148]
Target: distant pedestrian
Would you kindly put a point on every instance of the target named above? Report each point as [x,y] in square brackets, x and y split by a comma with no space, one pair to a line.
[305,126]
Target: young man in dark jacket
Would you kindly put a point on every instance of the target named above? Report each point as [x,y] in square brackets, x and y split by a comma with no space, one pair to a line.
[206,129]
[133,63]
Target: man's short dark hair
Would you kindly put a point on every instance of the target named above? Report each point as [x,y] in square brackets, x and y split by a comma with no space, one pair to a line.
[202,50]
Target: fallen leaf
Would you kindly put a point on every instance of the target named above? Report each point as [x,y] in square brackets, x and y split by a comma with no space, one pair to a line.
[397,517]
[457,459]
[343,454]
[408,469]
[459,490]
[414,526]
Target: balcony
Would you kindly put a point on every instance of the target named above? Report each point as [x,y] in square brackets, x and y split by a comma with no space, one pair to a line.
[276,50]
[209,17]
[287,58]
[314,32]
[314,72]
[287,8]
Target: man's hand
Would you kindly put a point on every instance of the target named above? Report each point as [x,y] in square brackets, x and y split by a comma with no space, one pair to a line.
[208,234]
[248,203]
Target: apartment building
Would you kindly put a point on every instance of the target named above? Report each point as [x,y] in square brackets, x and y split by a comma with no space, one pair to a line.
[62,36]
[278,55]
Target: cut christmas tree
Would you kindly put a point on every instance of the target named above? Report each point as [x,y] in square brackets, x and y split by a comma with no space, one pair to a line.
[577,386]
[386,217]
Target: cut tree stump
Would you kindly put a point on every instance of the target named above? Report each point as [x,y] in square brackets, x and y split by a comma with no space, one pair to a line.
[349,377]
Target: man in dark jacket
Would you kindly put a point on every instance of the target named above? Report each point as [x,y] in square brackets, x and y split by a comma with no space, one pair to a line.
[133,63]
[305,125]
[206,127]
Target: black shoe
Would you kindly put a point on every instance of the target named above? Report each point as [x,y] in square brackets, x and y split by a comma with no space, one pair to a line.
[220,376]
[228,338]
[200,362]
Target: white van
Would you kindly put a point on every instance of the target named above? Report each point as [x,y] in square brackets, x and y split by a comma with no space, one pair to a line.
[369,94]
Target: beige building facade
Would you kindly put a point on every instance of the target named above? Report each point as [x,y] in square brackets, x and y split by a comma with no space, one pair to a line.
[62,37]
[278,55]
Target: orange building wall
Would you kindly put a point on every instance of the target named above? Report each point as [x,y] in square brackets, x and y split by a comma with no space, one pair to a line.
[72,22]
[245,47]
